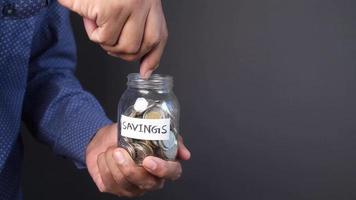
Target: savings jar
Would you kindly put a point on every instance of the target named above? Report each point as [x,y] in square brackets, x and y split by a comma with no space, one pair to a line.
[148,114]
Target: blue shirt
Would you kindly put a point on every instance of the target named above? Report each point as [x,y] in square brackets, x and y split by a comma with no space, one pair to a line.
[38,86]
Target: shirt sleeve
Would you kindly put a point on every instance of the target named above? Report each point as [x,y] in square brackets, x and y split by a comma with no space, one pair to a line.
[56,108]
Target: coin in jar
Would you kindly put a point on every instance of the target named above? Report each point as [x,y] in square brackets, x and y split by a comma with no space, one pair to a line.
[142,151]
[140,104]
[154,113]
[130,112]
[170,147]
[127,139]
[131,150]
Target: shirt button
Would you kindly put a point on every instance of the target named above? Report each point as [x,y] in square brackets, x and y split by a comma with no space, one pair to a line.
[9,10]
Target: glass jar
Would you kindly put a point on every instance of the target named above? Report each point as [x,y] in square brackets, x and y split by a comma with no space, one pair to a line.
[148,113]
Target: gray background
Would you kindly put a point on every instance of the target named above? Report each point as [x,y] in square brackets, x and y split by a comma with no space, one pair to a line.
[268,92]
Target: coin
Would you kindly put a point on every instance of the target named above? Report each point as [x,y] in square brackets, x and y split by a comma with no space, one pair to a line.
[154,143]
[171,153]
[170,147]
[142,151]
[127,139]
[131,150]
[154,113]
[148,142]
[159,152]
[130,112]
[139,149]
[171,142]
[140,104]
[165,107]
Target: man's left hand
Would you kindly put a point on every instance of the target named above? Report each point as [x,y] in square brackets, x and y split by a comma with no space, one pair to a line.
[114,171]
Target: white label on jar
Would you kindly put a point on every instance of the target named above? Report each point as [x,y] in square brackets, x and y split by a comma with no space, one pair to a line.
[145,129]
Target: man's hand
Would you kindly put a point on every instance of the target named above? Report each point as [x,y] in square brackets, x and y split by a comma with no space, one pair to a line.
[113,170]
[129,29]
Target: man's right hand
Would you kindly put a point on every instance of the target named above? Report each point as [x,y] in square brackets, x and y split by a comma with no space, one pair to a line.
[129,29]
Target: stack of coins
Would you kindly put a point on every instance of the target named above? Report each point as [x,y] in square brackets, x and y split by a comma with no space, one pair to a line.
[139,149]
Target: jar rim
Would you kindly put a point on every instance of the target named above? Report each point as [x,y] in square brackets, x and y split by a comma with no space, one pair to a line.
[155,81]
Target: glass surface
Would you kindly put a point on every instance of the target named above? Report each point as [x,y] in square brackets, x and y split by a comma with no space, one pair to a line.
[151,100]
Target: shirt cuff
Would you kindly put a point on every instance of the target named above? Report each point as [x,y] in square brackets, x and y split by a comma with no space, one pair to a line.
[78,133]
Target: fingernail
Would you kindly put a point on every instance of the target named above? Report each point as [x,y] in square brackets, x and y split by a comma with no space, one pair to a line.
[119,158]
[150,164]
[147,74]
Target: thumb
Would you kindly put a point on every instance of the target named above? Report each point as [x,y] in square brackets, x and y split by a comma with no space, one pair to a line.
[67,3]
[80,7]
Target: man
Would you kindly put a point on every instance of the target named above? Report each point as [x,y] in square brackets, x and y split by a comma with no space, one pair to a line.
[37,85]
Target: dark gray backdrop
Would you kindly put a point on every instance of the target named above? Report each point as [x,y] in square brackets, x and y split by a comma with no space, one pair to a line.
[267,90]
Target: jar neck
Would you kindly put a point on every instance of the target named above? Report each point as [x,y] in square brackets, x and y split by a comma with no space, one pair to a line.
[155,82]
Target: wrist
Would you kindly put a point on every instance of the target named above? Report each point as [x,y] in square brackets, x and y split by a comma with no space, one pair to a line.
[104,138]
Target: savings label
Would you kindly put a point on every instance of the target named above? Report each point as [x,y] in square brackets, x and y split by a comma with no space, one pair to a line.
[145,129]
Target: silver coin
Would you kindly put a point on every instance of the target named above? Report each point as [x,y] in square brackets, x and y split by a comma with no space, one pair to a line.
[169,111]
[130,112]
[170,143]
[140,105]
[140,109]
[170,147]
[171,153]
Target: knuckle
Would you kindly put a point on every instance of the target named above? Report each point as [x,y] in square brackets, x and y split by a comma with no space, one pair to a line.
[130,58]
[117,179]
[162,172]
[100,38]
[150,185]
[153,41]
[108,156]
[129,173]
[129,49]
[136,3]
[101,158]
[117,5]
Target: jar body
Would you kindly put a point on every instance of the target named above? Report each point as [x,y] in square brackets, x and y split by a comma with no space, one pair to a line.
[149,121]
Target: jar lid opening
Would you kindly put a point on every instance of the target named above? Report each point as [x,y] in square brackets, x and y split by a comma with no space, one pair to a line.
[155,81]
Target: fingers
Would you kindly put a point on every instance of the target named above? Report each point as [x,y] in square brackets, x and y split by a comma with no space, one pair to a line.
[119,187]
[131,37]
[132,172]
[143,39]
[156,21]
[109,32]
[171,170]
[89,25]
[131,29]
[132,46]
[183,152]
